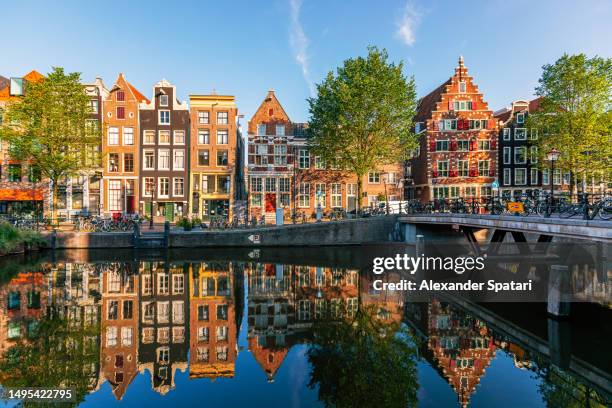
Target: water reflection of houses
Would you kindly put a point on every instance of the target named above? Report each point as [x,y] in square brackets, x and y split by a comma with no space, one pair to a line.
[119,326]
[459,346]
[22,302]
[163,310]
[213,319]
[285,300]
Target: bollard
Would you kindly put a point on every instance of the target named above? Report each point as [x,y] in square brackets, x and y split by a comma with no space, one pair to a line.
[167,234]
[558,291]
[420,245]
[136,234]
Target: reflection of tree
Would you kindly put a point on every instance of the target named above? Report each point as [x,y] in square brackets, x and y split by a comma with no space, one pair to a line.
[363,362]
[561,390]
[61,353]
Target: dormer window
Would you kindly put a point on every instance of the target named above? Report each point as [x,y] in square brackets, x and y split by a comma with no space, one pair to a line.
[16,87]
[120,96]
[462,87]
[163,100]
[520,118]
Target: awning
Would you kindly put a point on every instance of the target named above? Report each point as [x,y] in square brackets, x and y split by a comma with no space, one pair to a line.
[7,194]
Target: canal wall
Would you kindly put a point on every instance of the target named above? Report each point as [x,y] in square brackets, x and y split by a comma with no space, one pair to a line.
[330,233]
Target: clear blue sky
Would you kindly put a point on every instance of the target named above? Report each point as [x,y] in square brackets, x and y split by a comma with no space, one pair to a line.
[245,48]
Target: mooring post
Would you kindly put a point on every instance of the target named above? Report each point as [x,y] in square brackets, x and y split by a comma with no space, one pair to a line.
[136,241]
[558,291]
[54,239]
[559,342]
[167,234]
[410,233]
[420,245]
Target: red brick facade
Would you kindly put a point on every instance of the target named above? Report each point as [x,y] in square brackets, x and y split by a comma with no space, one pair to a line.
[457,156]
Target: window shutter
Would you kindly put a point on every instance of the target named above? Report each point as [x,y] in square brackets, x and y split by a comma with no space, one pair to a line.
[434,173]
[453,145]
[432,146]
[492,173]
[474,105]
[450,105]
[493,144]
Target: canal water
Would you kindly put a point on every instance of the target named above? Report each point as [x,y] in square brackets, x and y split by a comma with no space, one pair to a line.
[284,328]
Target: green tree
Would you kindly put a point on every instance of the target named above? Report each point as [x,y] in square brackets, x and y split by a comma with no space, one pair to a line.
[362,116]
[57,353]
[363,362]
[51,128]
[575,115]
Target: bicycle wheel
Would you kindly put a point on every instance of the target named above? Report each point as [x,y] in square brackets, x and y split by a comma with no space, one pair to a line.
[568,211]
[605,212]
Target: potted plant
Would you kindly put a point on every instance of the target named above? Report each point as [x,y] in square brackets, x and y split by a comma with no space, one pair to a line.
[185,223]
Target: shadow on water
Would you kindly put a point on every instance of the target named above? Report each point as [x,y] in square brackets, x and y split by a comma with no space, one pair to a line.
[125,322]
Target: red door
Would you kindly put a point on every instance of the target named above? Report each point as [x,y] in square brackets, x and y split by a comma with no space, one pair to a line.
[270,202]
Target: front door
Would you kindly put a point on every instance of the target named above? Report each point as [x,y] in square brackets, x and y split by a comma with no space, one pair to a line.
[170,212]
[270,202]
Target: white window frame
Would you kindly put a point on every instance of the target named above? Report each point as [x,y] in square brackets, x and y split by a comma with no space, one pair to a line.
[203,136]
[507,155]
[175,140]
[520,118]
[160,116]
[222,136]
[152,134]
[126,132]
[113,136]
[144,186]
[516,177]
[144,157]
[159,159]
[507,181]
[518,158]
[175,184]
[176,153]
[533,177]
[507,134]
[159,190]
[159,137]
[163,100]
[520,131]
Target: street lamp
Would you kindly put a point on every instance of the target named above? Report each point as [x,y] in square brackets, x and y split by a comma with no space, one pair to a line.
[552,157]
[151,202]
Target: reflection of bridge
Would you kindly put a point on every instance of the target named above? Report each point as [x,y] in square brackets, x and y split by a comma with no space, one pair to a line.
[545,228]
[551,344]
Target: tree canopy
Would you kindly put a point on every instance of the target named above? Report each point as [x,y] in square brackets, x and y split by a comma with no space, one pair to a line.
[51,127]
[362,116]
[363,362]
[575,115]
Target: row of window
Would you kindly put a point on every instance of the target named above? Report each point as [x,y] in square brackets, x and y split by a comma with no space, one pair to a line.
[163,284]
[163,337]
[204,136]
[204,117]
[204,334]
[202,355]
[321,307]
[163,159]
[262,128]
[15,173]
[150,308]
[163,137]
[221,312]
[163,187]
[441,192]
[520,134]
[204,157]
[520,177]
[114,162]
[442,169]
[127,309]
[112,333]
[462,145]
[461,124]
[212,183]
[520,155]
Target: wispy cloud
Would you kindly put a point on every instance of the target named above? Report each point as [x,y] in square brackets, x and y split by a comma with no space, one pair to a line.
[408,23]
[299,44]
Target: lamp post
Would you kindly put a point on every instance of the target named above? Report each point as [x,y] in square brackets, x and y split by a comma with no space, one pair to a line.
[151,202]
[552,157]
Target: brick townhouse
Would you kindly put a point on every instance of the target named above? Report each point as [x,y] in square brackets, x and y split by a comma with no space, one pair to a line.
[284,174]
[214,156]
[121,147]
[457,153]
[164,159]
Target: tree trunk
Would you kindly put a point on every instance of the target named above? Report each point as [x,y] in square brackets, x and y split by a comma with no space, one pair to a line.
[53,201]
[359,190]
